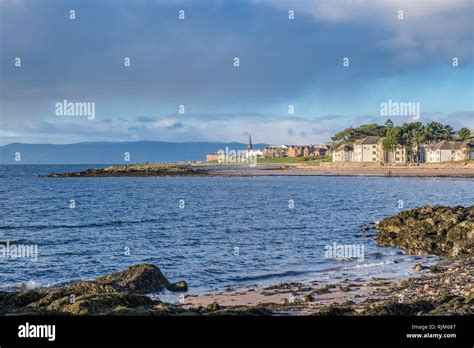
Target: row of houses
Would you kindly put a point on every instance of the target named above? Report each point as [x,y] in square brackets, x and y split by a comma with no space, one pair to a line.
[370,149]
[321,150]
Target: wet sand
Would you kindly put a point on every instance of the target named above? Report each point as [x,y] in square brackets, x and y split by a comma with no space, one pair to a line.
[448,280]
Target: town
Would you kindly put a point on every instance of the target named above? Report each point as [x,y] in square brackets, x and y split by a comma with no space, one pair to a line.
[409,143]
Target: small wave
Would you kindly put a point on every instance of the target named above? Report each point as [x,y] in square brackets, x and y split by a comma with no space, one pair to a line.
[377,255]
[16,241]
[373,264]
[98,224]
[213,271]
[28,285]
[268,276]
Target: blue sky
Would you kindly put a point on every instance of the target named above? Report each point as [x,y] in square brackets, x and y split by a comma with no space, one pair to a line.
[190,62]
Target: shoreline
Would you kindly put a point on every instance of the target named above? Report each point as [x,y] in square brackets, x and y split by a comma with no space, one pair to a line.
[447,280]
[444,170]
[446,288]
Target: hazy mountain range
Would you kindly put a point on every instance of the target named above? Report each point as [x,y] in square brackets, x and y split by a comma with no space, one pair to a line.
[113,152]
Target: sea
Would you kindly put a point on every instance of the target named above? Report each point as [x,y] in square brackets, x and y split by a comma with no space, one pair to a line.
[216,233]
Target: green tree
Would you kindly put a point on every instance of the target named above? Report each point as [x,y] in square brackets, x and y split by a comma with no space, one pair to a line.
[433,132]
[448,132]
[351,134]
[388,124]
[343,136]
[464,134]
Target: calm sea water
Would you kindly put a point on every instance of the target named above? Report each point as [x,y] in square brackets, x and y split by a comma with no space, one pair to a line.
[198,243]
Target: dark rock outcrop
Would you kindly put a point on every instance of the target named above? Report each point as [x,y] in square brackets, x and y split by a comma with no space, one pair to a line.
[440,230]
[121,292]
[135,170]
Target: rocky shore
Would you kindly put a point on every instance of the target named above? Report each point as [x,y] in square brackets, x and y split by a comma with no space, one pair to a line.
[122,293]
[444,289]
[134,171]
[436,230]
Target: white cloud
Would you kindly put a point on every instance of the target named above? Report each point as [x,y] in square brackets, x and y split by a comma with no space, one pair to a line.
[428,27]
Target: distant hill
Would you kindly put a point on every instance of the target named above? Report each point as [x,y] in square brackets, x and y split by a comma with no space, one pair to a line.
[113,152]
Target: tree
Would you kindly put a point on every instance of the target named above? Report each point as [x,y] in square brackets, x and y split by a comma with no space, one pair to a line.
[388,124]
[344,135]
[433,132]
[464,134]
[391,140]
[448,132]
[351,134]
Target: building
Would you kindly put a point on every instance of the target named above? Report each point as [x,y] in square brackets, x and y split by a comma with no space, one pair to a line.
[295,151]
[370,149]
[343,153]
[316,150]
[445,151]
[367,150]
[308,151]
[467,148]
[398,155]
[275,151]
[212,157]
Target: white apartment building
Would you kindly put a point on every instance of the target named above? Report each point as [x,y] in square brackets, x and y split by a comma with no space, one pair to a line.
[367,149]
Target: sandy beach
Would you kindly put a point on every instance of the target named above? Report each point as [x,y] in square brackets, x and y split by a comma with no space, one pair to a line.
[446,281]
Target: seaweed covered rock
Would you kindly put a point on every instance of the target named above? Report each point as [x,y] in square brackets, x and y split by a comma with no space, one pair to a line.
[440,230]
[394,308]
[123,291]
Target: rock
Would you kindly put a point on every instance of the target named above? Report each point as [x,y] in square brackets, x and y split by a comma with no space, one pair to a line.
[436,230]
[179,286]
[135,170]
[214,306]
[395,308]
[141,279]
[324,290]
[454,306]
[436,269]
[336,310]
[118,293]
[99,304]
[345,288]
[419,267]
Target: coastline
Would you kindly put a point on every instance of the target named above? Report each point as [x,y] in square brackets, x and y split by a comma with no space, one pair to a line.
[443,289]
[442,170]
[446,288]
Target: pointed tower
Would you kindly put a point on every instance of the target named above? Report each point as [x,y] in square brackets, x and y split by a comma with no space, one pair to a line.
[249,146]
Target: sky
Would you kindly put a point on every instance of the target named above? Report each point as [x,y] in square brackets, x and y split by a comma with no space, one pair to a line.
[190,62]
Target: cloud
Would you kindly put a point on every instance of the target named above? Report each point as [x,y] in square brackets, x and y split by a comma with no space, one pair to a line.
[190,63]
[426,29]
